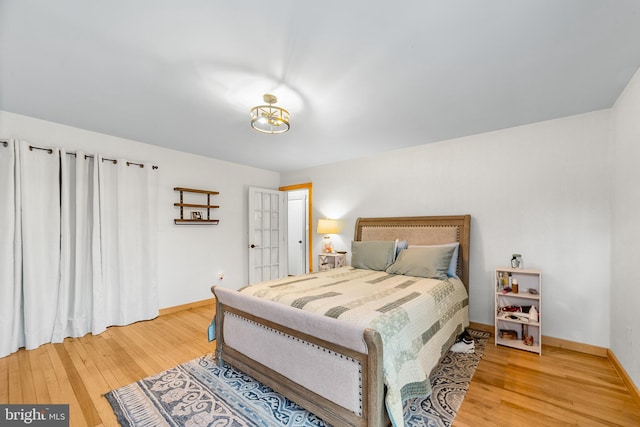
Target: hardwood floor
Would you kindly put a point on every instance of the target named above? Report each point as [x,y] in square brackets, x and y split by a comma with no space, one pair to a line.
[510,387]
[560,388]
[81,370]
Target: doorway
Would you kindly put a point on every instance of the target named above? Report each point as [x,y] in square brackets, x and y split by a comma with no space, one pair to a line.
[297,232]
[300,227]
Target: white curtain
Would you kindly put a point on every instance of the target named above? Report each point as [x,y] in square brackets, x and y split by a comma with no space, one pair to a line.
[12,336]
[81,229]
[79,274]
[127,243]
[40,213]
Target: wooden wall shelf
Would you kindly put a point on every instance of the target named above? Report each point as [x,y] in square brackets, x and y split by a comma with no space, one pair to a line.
[208,206]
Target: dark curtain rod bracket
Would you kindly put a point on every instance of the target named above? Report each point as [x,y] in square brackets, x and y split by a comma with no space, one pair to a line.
[48,150]
[89,156]
[86,156]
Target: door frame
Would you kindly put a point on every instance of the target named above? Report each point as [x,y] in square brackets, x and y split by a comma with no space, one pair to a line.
[309,187]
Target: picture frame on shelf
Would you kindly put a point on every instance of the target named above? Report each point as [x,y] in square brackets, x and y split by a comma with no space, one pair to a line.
[196,215]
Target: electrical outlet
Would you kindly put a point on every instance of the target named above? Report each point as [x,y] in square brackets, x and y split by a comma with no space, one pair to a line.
[629,330]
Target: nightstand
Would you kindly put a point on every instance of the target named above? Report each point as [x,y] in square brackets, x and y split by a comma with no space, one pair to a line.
[328,261]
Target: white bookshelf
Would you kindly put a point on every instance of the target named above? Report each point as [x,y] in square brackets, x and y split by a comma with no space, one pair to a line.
[522,325]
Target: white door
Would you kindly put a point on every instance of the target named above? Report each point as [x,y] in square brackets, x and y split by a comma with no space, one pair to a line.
[267,234]
[297,229]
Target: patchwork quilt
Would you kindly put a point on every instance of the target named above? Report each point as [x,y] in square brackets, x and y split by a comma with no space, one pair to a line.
[417,318]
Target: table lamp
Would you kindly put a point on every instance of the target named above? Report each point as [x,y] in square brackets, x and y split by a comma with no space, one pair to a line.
[326,227]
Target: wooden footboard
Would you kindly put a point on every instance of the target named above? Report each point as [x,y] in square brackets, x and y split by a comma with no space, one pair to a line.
[331,368]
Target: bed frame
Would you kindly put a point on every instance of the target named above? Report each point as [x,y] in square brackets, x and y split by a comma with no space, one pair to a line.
[277,344]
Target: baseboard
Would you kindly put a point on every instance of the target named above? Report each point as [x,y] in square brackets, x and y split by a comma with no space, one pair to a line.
[554,342]
[482,327]
[575,346]
[169,310]
[633,390]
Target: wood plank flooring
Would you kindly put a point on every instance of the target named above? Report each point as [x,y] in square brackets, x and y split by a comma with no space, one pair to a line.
[510,387]
[560,388]
[81,370]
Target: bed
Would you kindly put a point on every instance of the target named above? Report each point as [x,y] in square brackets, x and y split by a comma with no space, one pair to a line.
[300,337]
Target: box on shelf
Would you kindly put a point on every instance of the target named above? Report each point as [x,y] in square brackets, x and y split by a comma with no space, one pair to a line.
[508,334]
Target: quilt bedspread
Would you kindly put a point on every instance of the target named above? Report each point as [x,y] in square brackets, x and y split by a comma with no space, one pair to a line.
[417,318]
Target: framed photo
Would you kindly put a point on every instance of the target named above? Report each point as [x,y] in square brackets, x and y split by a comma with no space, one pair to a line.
[196,215]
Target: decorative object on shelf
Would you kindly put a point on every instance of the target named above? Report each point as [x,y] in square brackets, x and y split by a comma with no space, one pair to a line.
[196,216]
[516,261]
[327,227]
[269,118]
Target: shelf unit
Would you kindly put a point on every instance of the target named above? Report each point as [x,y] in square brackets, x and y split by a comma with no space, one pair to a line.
[527,279]
[208,206]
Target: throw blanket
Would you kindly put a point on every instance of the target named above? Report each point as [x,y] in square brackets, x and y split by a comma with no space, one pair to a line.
[417,318]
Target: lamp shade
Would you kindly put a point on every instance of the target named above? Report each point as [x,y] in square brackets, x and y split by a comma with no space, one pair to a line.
[328,226]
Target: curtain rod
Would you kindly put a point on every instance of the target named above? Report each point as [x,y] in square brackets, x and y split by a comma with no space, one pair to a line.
[86,156]
[89,156]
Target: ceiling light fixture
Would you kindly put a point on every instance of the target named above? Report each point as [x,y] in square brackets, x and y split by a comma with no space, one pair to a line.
[269,118]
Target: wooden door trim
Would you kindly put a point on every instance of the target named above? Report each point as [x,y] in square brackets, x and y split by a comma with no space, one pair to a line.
[309,187]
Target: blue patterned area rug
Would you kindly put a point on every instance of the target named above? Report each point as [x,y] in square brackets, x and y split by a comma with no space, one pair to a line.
[199,393]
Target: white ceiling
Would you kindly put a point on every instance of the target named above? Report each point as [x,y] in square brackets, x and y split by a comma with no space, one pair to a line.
[357,76]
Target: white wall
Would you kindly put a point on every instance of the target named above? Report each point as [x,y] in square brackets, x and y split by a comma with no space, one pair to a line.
[625,229]
[189,256]
[540,190]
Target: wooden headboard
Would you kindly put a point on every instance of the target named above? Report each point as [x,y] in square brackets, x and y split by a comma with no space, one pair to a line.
[421,230]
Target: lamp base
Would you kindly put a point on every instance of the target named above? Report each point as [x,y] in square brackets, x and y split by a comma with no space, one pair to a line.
[327,247]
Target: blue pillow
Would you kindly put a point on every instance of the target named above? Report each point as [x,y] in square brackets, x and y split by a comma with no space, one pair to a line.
[400,245]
